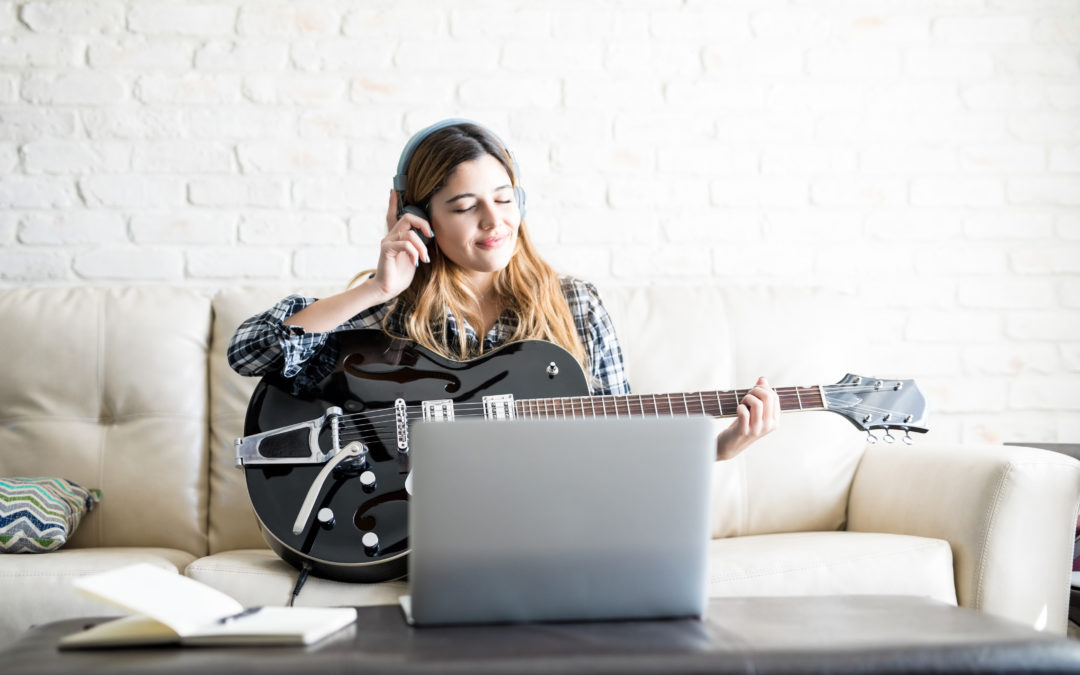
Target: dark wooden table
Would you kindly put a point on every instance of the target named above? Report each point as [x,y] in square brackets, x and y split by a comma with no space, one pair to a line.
[854,634]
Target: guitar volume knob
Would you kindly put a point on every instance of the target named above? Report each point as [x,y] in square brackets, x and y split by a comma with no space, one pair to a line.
[370,541]
[325,516]
[367,481]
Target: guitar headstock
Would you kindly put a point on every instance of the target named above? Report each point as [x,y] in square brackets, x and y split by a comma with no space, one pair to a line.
[878,403]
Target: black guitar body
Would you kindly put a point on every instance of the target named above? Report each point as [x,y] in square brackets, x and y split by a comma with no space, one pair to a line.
[372,372]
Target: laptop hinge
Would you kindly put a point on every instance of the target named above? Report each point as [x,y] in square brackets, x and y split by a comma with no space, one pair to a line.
[499,407]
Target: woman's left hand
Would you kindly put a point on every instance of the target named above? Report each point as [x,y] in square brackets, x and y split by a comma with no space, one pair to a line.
[757,415]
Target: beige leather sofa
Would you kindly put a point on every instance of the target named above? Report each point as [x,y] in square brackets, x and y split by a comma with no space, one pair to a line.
[127,390]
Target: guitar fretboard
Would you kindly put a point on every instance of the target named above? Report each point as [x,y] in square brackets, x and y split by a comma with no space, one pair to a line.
[711,403]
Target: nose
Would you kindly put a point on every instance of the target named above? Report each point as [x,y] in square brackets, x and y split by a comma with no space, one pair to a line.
[489,214]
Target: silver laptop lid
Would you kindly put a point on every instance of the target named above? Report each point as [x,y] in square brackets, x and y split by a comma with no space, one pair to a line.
[559,520]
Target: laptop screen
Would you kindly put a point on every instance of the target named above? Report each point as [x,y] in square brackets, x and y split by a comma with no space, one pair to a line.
[560,520]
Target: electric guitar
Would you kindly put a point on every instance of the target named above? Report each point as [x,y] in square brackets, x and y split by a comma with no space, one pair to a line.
[327,469]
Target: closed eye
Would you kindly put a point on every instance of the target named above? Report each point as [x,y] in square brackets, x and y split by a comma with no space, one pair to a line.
[473,206]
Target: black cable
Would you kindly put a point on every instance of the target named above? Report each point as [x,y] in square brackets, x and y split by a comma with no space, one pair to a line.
[300,579]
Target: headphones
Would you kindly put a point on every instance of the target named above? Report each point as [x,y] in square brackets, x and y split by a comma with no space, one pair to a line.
[401,178]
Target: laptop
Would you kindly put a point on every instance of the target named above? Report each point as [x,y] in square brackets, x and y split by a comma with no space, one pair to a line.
[559,520]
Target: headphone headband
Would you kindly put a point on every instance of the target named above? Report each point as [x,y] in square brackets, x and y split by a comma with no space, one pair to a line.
[401,178]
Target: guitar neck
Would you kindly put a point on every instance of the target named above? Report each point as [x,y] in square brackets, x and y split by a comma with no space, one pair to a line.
[711,403]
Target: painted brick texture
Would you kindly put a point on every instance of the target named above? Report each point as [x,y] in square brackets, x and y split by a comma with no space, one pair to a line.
[921,156]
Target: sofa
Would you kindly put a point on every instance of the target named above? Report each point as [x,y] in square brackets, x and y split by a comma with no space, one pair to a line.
[127,391]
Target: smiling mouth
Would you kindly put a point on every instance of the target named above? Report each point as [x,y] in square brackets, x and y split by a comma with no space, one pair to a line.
[493,242]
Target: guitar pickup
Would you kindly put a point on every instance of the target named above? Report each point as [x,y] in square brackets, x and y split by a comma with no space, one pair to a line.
[438,411]
[293,444]
[499,407]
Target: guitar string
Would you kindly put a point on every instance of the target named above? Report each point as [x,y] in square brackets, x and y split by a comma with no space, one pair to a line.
[357,432]
[553,408]
[570,412]
[788,395]
[587,404]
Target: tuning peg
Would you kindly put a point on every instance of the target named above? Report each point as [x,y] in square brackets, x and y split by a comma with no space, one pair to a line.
[889,438]
[871,438]
[908,440]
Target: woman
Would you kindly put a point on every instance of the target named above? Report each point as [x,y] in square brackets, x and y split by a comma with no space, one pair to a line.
[477,285]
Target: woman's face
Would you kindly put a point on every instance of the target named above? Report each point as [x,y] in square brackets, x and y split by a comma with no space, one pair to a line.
[475,218]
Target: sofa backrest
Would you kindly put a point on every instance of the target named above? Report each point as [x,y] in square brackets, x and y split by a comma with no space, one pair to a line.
[107,387]
[798,478]
[127,390]
[795,480]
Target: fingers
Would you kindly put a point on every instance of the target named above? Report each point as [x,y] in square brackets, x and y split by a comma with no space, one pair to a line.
[408,228]
[407,243]
[401,250]
[759,410]
[756,415]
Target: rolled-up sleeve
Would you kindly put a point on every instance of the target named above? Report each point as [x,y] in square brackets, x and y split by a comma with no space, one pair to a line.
[263,344]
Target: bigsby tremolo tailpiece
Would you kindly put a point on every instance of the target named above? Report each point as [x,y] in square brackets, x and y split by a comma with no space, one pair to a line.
[293,444]
[299,444]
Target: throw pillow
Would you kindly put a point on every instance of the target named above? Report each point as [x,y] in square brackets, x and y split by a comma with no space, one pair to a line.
[40,514]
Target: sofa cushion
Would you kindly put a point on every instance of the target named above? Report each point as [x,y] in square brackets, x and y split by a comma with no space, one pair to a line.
[802,563]
[260,577]
[831,563]
[232,519]
[107,387]
[38,515]
[39,590]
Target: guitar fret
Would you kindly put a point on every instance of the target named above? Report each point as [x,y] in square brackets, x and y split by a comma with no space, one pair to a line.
[710,403]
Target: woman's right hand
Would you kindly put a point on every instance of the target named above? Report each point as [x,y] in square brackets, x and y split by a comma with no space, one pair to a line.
[401,250]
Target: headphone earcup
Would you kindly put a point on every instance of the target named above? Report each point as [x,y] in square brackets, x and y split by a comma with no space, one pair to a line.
[419,213]
[415,210]
[519,195]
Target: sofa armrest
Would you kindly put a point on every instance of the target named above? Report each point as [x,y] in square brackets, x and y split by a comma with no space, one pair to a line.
[1009,514]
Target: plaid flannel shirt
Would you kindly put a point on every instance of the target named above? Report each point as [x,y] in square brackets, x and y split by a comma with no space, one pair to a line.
[264,344]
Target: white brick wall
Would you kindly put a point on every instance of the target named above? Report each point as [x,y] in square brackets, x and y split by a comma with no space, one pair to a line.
[922,156]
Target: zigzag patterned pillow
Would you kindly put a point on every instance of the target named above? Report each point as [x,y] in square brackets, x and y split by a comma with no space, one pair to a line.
[38,515]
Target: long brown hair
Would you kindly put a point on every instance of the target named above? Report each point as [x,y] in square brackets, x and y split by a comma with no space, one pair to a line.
[528,287]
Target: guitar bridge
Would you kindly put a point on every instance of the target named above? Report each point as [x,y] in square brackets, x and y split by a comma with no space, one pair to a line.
[293,444]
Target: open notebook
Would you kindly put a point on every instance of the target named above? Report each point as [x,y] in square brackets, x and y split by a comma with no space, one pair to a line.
[171,608]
